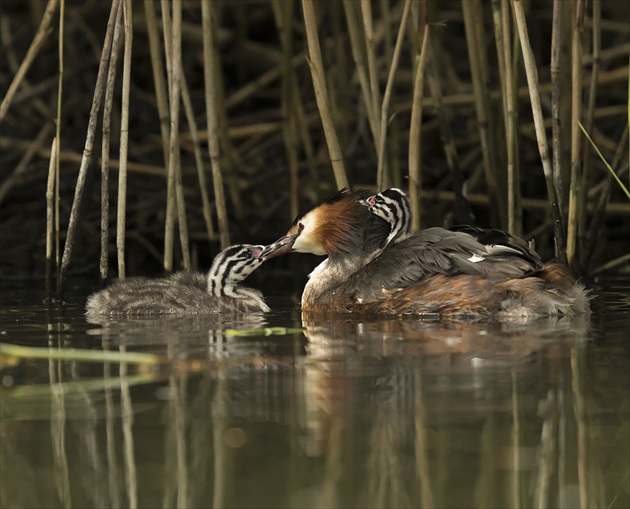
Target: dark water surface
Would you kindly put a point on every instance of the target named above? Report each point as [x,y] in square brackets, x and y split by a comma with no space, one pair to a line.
[349,412]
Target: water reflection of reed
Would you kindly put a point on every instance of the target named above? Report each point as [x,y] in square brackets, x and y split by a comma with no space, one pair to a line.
[386,414]
[187,336]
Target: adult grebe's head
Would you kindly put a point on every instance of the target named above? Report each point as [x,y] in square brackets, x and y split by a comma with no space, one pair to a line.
[394,207]
[334,227]
[233,265]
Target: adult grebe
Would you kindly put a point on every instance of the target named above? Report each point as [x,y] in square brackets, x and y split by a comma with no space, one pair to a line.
[188,292]
[463,271]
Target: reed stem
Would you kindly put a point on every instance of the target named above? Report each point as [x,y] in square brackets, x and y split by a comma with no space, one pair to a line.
[105,146]
[50,190]
[124,140]
[89,145]
[415,135]
[381,177]
[201,174]
[283,15]
[541,138]
[472,10]
[576,149]
[358,55]
[212,118]
[321,95]
[179,83]
[158,75]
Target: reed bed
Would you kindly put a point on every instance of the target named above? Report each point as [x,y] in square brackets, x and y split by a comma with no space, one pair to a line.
[463,104]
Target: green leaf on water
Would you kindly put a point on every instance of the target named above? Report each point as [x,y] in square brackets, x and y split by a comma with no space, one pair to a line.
[77,354]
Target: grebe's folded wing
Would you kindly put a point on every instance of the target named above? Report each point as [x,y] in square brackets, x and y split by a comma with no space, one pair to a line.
[499,241]
[434,251]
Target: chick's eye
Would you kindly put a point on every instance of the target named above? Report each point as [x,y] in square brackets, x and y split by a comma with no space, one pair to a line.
[247,254]
[371,201]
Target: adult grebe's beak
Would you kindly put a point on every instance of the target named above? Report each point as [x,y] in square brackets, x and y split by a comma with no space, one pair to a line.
[279,247]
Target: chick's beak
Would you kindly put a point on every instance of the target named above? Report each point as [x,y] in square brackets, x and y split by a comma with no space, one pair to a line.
[281,246]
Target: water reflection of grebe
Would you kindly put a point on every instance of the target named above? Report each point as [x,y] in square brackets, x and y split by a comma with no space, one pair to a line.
[461,271]
[188,292]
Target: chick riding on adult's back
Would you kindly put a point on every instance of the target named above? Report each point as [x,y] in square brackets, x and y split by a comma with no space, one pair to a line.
[463,271]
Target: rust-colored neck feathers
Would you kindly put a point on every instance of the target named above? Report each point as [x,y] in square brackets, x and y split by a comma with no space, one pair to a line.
[336,226]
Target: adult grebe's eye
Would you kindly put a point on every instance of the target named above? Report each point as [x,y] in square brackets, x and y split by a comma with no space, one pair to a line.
[300,227]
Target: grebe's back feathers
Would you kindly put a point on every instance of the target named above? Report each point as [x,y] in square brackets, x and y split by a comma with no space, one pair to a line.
[499,241]
[434,251]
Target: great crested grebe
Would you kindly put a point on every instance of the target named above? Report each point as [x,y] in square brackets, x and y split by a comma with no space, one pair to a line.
[188,292]
[462,271]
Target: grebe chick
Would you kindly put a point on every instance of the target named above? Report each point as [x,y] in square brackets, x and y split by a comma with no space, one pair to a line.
[470,271]
[188,292]
[394,207]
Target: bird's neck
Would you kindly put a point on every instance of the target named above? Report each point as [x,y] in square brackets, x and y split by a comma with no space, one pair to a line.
[330,274]
[220,289]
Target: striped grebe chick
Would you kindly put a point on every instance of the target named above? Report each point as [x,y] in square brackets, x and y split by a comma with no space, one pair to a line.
[218,291]
[394,207]
[463,271]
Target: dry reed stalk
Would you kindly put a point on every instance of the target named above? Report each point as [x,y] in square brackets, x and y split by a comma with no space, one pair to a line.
[358,55]
[212,118]
[370,51]
[105,145]
[40,36]
[175,201]
[321,95]
[177,90]
[305,133]
[201,175]
[375,96]
[556,125]
[502,31]
[124,140]
[158,74]
[479,70]
[576,138]
[50,196]
[89,145]
[514,174]
[415,135]
[532,81]
[381,179]
[283,15]
[171,196]
[58,137]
